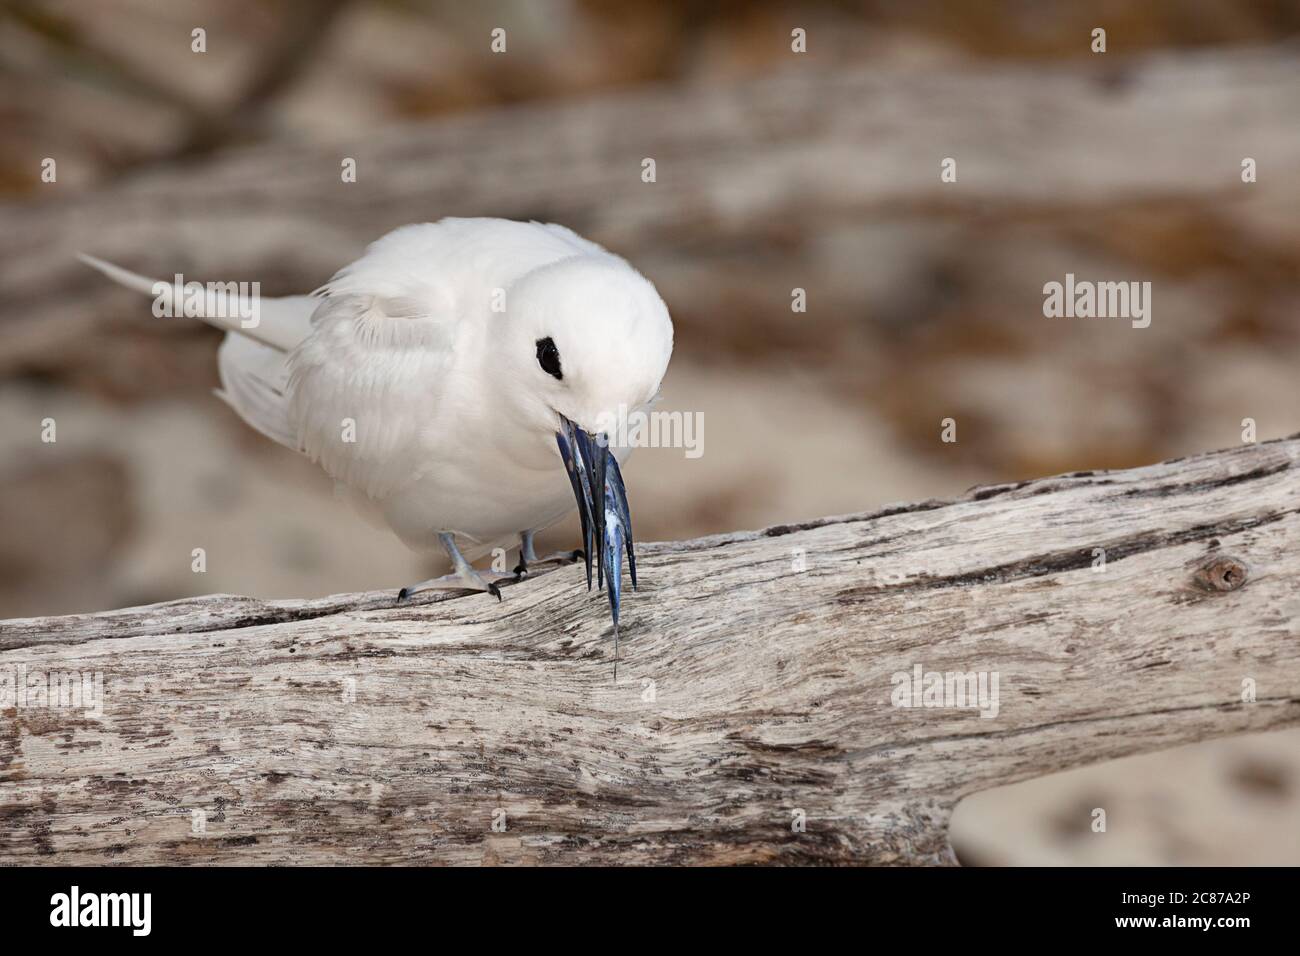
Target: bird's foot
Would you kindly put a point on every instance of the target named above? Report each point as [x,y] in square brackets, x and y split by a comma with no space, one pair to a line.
[464,580]
[559,557]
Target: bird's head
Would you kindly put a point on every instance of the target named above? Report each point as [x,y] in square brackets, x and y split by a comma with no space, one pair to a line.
[590,340]
[589,337]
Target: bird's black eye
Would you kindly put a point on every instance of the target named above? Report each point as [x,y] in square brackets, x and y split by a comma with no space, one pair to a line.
[548,357]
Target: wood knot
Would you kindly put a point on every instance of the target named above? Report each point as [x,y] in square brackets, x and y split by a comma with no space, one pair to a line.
[1222,572]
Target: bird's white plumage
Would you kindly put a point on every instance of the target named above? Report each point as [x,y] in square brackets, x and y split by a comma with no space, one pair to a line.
[423,352]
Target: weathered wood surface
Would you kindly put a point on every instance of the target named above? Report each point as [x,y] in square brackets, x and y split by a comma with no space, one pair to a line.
[738,166]
[350,730]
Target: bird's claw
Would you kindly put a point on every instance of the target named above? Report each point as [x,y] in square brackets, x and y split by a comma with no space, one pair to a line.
[465,580]
[559,557]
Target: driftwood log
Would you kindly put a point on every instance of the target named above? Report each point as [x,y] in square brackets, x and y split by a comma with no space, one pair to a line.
[755,717]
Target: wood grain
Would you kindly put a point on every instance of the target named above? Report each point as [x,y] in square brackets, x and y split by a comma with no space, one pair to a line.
[750,694]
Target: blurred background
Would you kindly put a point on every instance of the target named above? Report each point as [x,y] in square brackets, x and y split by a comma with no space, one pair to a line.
[776,171]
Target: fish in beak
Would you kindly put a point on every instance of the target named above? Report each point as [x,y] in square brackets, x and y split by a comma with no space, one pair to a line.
[598,489]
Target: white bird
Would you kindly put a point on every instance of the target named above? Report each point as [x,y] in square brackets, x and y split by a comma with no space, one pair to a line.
[477,359]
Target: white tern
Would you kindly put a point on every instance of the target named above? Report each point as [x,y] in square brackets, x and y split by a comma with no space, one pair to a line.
[449,378]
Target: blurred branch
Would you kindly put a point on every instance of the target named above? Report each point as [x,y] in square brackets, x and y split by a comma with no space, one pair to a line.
[306,25]
[750,697]
[303,27]
[793,154]
[87,62]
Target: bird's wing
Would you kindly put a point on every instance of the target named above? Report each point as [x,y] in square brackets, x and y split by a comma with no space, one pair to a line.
[369,380]
[363,386]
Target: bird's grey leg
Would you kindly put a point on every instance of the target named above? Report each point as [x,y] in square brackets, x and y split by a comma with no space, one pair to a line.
[462,578]
[528,557]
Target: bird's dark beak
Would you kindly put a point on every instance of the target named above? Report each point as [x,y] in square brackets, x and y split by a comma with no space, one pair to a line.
[602,505]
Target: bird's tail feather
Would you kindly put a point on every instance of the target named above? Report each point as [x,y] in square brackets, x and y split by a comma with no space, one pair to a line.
[254,382]
[278,323]
[251,360]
